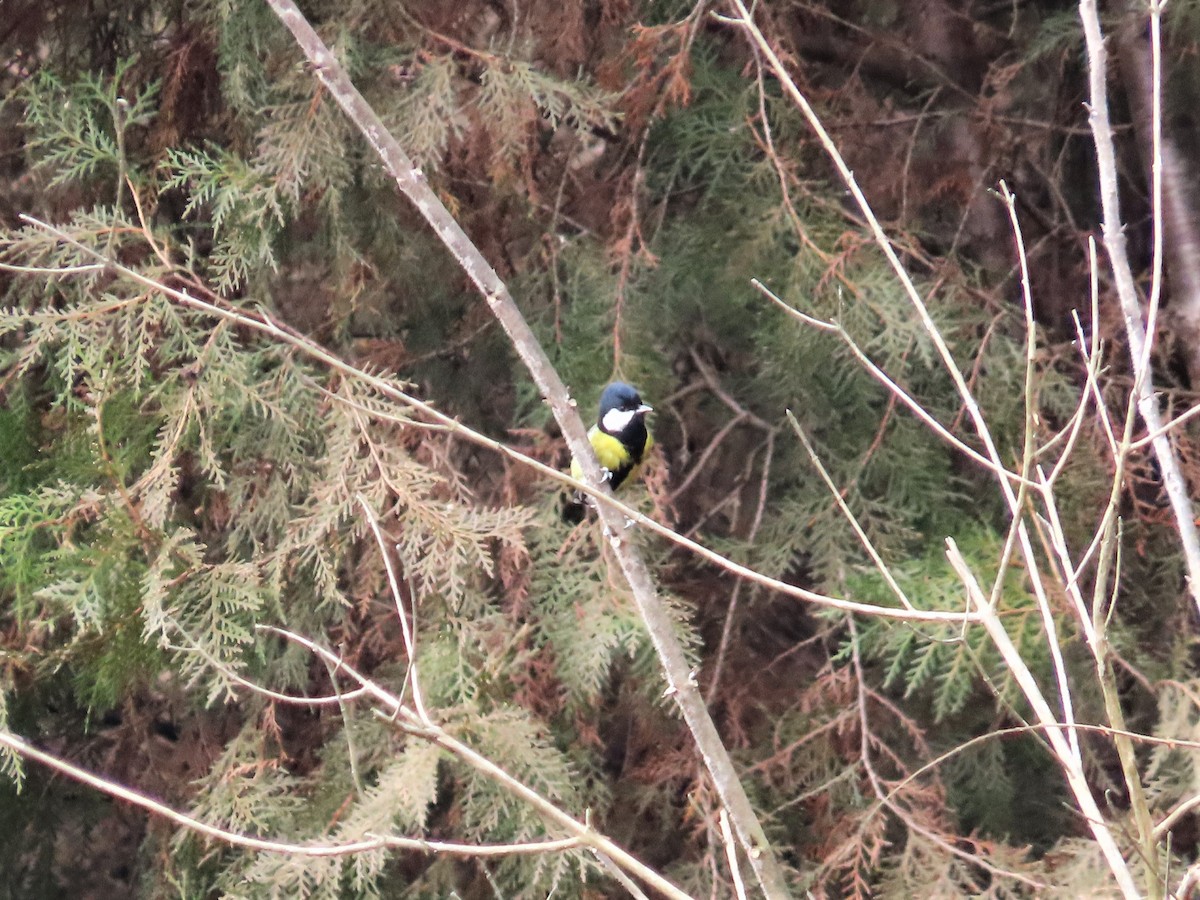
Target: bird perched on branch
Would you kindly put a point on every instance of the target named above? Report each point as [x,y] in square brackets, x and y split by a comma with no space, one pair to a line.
[619,437]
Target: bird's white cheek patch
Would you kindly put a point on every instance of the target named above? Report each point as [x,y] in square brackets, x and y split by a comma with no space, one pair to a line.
[616,420]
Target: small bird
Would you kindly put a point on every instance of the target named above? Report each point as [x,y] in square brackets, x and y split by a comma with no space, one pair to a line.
[620,439]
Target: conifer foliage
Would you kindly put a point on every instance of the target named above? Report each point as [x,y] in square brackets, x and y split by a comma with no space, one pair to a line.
[229,353]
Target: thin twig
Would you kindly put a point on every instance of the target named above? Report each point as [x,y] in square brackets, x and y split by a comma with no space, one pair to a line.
[114,789]
[848,514]
[731,854]
[883,378]
[698,467]
[731,612]
[1019,531]
[408,633]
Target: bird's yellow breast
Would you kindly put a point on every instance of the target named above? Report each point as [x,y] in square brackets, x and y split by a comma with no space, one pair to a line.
[613,455]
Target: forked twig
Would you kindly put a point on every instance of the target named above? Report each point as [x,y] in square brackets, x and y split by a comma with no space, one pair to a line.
[1114,240]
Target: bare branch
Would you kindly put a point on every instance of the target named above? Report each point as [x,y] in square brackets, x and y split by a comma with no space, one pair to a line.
[235,839]
[1135,327]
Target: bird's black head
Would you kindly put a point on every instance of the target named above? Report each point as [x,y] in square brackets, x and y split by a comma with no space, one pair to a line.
[621,408]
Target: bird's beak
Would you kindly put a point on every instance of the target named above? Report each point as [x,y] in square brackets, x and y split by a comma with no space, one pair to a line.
[643,409]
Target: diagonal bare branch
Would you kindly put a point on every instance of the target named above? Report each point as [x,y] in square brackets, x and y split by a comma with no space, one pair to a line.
[681,685]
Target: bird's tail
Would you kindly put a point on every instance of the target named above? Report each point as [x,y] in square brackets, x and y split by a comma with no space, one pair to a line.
[574,507]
